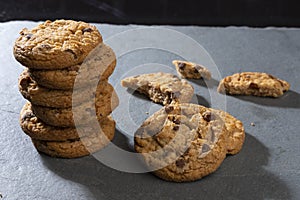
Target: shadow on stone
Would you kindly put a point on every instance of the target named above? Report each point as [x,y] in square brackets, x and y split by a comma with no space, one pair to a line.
[291,99]
[202,101]
[240,177]
[205,83]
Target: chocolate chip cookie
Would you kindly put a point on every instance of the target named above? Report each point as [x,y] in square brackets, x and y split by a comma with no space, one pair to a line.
[98,107]
[161,87]
[38,130]
[99,65]
[185,142]
[56,45]
[77,147]
[253,83]
[60,98]
[191,70]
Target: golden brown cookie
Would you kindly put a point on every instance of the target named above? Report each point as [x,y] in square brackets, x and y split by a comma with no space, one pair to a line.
[234,127]
[79,147]
[99,65]
[59,98]
[191,70]
[253,83]
[185,142]
[56,45]
[38,130]
[161,87]
[84,113]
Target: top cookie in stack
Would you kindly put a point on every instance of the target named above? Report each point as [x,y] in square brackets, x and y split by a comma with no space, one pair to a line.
[56,45]
[68,67]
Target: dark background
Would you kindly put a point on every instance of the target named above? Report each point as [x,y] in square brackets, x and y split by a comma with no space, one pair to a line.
[255,13]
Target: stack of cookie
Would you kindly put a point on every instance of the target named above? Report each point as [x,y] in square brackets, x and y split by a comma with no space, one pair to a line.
[66,84]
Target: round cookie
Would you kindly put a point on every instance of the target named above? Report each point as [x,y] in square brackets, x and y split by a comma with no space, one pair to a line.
[84,113]
[98,66]
[184,142]
[56,45]
[38,130]
[59,98]
[76,148]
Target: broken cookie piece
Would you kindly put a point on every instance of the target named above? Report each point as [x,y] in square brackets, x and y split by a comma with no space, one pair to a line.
[191,70]
[253,83]
[161,87]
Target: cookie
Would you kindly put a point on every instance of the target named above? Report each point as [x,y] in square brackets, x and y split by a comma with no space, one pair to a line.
[185,142]
[38,130]
[59,98]
[191,70]
[97,66]
[253,83]
[161,87]
[56,45]
[180,145]
[79,147]
[84,113]
[234,128]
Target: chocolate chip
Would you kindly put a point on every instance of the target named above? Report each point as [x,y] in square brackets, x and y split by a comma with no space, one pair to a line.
[208,116]
[180,163]
[29,36]
[196,70]
[181,65]
[176,128]
[136,76]
[205,148]
[199,135]
[253,86]
[87,30]
[176,121]
[169,109]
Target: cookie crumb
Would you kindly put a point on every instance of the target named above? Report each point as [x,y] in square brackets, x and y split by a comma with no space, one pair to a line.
[252,124]
[147,113]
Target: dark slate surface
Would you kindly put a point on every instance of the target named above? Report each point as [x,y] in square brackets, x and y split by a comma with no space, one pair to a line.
[268,167]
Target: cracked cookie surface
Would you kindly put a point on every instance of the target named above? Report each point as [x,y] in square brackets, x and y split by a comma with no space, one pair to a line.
[185,142]
[253,83]
[191,70]
[161,87]
[38,130]
[56,45]
[60,98]
[98,66]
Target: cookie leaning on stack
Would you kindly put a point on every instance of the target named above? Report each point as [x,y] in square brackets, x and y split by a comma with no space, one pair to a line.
[68,67]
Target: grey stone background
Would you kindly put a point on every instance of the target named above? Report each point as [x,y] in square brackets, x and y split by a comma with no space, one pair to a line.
[268,167]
